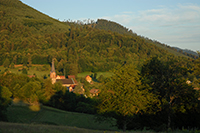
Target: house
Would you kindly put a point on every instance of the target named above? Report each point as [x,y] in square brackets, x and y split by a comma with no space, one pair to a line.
[31,76]
[188,82]
[94,92]
[68,83]
[73,77]
[60,77]
[88,78]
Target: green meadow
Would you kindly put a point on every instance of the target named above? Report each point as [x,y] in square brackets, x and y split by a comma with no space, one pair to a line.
[51,116]
[40,71]
[22,118]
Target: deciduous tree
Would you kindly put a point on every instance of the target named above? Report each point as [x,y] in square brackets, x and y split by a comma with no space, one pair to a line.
[6,63]
[124,96]
[167,81]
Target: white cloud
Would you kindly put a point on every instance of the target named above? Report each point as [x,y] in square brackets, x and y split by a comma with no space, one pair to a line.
[179,25]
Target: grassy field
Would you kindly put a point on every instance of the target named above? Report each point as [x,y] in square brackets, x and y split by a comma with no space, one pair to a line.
[51,116]
[32,70]
[21,119]
[50,120]
[41,128]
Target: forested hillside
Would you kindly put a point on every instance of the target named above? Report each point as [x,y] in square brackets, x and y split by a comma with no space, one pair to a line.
[30,37]
[151,86]
[115,27]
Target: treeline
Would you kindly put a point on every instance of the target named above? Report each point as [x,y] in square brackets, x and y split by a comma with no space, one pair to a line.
[158,96]
[86,48]
[115,27]
[41,91]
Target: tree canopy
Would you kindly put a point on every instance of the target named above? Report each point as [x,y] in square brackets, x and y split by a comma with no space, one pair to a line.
[124,96]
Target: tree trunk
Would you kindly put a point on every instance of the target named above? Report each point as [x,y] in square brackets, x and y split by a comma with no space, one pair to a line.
[124,126]
[169,118]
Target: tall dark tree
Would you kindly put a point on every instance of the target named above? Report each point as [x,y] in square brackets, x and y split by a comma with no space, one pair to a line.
[123,96]
[5,100]
[167,81]
[6,63]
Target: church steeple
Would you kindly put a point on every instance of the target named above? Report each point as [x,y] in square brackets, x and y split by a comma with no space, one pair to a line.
[53,73]
[52,67]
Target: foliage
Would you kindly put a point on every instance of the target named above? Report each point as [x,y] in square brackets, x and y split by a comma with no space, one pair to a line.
[124,96]
[34,38]
[48,90]
[30,92]
[101,78]
[72,102]
[6,63]
[5,100]
[24,71]
[167,80]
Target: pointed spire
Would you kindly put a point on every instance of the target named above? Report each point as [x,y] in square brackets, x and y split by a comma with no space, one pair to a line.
[52,67]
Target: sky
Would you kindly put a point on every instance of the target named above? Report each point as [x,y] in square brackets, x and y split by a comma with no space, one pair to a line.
[172,22]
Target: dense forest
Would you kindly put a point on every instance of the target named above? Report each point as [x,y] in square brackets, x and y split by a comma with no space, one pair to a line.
[29,38]
[143,70]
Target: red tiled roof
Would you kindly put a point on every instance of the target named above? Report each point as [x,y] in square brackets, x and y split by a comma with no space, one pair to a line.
[74,78]
[31,76]
[71,76]
[61,77]
[94,91]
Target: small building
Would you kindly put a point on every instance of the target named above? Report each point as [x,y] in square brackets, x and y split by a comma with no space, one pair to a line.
[60,77]
[88,78]
[94,92]
[31,76]
[73,77]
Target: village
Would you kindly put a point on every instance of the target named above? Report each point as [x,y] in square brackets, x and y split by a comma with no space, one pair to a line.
[70,82]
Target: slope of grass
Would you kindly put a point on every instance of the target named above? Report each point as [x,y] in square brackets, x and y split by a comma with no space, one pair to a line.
[31,71]
[47,115]
[16,11]
[41,128]
[6,127]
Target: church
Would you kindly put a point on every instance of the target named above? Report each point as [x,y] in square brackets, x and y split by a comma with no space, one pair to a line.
[69,82]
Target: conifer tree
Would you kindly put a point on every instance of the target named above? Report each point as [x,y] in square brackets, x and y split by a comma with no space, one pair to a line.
[124,96]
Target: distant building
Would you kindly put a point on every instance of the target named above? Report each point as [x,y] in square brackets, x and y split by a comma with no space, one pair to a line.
[94,92]
[60,77]
[188,82]
[88,78]
[31,76]
[69,83]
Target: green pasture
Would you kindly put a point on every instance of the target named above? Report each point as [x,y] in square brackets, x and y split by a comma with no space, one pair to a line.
[51,116]
[50,120]
[32,70]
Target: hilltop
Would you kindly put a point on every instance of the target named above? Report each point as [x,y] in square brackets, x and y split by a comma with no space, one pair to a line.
[31,37]
[115,27]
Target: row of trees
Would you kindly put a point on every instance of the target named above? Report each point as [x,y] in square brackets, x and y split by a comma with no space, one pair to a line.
[157,92]
[157,98]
